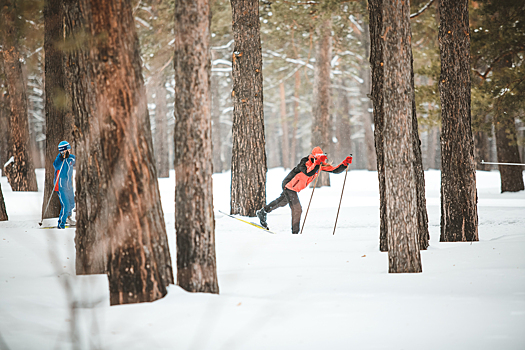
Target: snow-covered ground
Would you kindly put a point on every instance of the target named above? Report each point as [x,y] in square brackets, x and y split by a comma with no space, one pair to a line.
[310,291]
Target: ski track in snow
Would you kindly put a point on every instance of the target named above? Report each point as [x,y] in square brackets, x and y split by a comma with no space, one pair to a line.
[283,291]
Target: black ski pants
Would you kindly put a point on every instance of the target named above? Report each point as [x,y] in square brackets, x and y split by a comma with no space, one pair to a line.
[292,199]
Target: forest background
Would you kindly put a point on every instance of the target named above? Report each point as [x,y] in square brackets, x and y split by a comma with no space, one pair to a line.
[289,37]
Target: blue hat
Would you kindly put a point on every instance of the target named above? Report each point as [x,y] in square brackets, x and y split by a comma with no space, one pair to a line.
[63,145]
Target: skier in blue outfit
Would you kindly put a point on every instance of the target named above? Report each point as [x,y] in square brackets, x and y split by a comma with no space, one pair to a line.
[63,165]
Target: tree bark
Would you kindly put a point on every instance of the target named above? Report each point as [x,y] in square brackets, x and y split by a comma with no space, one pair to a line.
[194,219]
[432,148]
[216,125]
[5,113]
[3,212]
[118,196]
[375,8]
[59,120]
[459,217]
[366,103]
[23,172]
[322,99]
[506,144]
[400,181]
[161,129]
[481,150]
[248,185]
[293,150]
[284,125]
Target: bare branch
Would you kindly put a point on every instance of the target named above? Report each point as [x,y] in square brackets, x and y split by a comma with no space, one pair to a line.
[422,9]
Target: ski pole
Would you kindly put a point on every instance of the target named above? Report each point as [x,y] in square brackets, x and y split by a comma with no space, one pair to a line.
[305,215]
[51,195]
[483,162]
[346,173]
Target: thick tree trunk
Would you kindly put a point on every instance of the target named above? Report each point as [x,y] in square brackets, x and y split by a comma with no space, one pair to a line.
[248,185]
[293,149]
[118,196]
[194,219]
[400,181]
[161,130]
[459,217]
[366,104]
[22,171]
[3,212]
[322,96]
[284,125]
[506,144]
[59,120]
[375,8]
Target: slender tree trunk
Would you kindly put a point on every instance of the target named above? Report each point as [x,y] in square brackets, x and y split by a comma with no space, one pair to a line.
[293,150]
[459,216]
[248,185]
[194,220]
[375,8]
[366,103]
[161,129]
[321,104]
[5,114]
[115,153]
[216,125]
[284,125]
[3,212]
[422,216]
[59,120]
[22,171]
[400,181]
[432,148]
[506,144]
[481,150]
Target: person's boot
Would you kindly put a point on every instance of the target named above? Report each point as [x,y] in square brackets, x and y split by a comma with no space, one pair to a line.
[70,221]
[261,214]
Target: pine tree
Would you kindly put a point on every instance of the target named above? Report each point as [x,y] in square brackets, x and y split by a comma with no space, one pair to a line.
[120,226]
[459,217]
[3,212]
[21,172]
[194,218]
[248,184]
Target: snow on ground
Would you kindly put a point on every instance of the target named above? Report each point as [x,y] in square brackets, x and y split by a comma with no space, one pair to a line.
[309,291]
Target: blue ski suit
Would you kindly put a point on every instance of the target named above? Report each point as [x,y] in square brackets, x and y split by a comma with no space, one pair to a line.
[64,186]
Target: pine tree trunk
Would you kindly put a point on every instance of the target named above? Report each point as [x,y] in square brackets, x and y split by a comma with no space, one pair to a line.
[400,181]
[481,150]
[459,217]
[248,185]
[5,114]
[322,95]
[216,125]
[120,219]
[432,148]
[161,130]
[284,125]
[22,171]
[375,8]
[366,104]
[3,212]
[59,120]
[506,143]
[293,148]
[194,219]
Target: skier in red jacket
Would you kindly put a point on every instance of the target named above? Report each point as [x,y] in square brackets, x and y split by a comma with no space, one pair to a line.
[297,180]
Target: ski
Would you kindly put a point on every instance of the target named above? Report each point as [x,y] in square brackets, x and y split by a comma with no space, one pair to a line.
[48,227]
[248,222]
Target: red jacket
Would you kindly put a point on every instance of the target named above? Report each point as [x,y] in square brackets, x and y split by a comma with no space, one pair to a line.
[305,172]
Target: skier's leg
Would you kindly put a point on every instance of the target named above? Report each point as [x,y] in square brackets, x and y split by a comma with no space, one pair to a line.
[297,210]
[279,202]
[63,211]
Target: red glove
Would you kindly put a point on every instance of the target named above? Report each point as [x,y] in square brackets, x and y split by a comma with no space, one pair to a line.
[320,159]
[348,160]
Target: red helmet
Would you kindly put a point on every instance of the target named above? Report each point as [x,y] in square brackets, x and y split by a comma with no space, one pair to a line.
[317,151]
